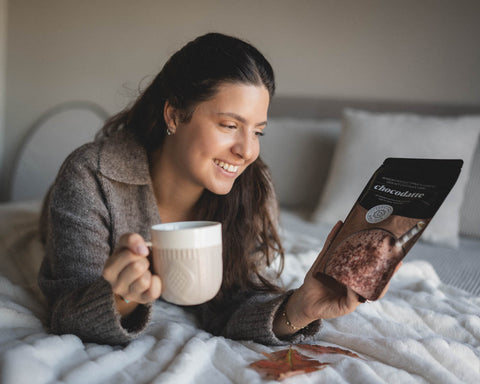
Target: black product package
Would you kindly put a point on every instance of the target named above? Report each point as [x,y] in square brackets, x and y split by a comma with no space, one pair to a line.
[389,216]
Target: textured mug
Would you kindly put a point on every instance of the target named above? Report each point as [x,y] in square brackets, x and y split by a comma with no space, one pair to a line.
[187,256]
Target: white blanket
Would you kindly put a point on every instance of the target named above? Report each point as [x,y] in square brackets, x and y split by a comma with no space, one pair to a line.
[422,331]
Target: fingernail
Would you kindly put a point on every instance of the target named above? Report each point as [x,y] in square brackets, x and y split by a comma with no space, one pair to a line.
[142,250]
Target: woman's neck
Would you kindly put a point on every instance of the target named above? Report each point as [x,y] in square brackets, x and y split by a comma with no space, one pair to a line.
[175,196]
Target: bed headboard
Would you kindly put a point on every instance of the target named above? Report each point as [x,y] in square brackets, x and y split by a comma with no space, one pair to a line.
[325,108]
[48,142]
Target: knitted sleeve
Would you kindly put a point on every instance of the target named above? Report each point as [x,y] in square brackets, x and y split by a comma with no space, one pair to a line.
[75,227]
[250,316]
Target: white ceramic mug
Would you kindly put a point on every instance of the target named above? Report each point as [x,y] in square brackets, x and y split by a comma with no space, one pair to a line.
[187,256]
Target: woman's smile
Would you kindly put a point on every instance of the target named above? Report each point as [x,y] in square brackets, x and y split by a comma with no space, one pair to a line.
[229,168]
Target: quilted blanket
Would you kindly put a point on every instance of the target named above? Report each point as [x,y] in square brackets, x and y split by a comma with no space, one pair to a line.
[422,331]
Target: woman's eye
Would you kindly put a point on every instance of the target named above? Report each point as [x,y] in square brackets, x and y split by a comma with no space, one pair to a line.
[260,133]
[229,126]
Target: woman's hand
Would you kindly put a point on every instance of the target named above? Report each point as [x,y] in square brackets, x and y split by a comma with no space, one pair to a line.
[320,297]
[128,272]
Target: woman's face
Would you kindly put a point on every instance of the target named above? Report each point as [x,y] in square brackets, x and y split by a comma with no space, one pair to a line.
[222,138]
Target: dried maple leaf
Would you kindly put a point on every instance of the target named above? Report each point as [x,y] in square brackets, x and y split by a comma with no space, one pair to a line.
[286,363]
[320,349]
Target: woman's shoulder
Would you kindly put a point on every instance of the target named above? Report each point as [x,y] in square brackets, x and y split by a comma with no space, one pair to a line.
[118,157]
[86,153]
[82,161]
[73,184]
[89,155]
[77,172]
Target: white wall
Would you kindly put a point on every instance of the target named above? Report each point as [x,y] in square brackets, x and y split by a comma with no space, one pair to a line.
[100,50]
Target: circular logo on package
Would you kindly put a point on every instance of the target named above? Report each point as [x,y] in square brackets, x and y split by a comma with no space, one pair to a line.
[378,213]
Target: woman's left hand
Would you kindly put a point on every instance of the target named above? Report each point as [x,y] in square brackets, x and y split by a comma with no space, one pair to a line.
[319,297]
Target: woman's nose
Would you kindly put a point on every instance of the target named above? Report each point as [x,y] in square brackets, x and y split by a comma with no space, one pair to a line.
[246,146]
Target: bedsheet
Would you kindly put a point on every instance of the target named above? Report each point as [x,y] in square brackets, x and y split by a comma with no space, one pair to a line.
[422,331]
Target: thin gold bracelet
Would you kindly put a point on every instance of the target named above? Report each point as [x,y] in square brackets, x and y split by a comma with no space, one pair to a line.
[288,322]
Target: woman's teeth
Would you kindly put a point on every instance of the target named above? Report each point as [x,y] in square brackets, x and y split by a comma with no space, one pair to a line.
[227,167]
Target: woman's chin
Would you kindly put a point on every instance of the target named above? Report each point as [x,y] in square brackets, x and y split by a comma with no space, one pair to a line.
[221,190]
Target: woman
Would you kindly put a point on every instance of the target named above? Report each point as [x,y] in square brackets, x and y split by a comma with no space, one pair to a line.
[188,149]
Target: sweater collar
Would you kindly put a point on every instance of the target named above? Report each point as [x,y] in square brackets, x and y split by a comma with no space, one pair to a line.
[123,159]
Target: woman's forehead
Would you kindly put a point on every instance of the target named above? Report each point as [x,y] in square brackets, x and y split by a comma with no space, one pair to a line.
[243,101]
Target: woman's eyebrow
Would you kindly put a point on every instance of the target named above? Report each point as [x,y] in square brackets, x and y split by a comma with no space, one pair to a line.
[239,118]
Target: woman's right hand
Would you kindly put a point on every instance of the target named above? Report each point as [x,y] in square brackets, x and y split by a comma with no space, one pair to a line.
[128,272]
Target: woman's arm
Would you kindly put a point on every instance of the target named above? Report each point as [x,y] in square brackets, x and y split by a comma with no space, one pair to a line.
[76,230]
[251,316]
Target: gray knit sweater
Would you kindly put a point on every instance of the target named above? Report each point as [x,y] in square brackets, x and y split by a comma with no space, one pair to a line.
[102,191]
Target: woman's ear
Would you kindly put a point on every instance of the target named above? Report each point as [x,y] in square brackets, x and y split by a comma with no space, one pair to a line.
[170,115]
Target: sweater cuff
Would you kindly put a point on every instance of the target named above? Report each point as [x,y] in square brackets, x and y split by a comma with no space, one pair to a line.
[95,317]
[254,321]
[123,330]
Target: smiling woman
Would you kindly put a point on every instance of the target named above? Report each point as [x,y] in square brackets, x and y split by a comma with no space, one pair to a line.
[186,149]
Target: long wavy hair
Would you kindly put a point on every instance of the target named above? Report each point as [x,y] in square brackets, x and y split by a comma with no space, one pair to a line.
[247,213]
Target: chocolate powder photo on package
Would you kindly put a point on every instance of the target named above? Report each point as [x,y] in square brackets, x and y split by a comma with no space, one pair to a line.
[391,213]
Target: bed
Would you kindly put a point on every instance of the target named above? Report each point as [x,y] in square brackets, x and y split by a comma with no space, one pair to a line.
[425,330]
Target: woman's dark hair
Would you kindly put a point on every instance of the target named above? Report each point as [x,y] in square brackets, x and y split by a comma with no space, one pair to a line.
[248,212]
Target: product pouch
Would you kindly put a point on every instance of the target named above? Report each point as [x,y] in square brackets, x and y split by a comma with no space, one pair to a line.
[391,213]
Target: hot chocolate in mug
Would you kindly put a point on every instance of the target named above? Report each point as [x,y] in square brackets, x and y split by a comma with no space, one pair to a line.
[187,256]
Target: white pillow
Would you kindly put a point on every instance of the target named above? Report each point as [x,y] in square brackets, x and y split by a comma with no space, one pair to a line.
[368,138]
[470,212]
